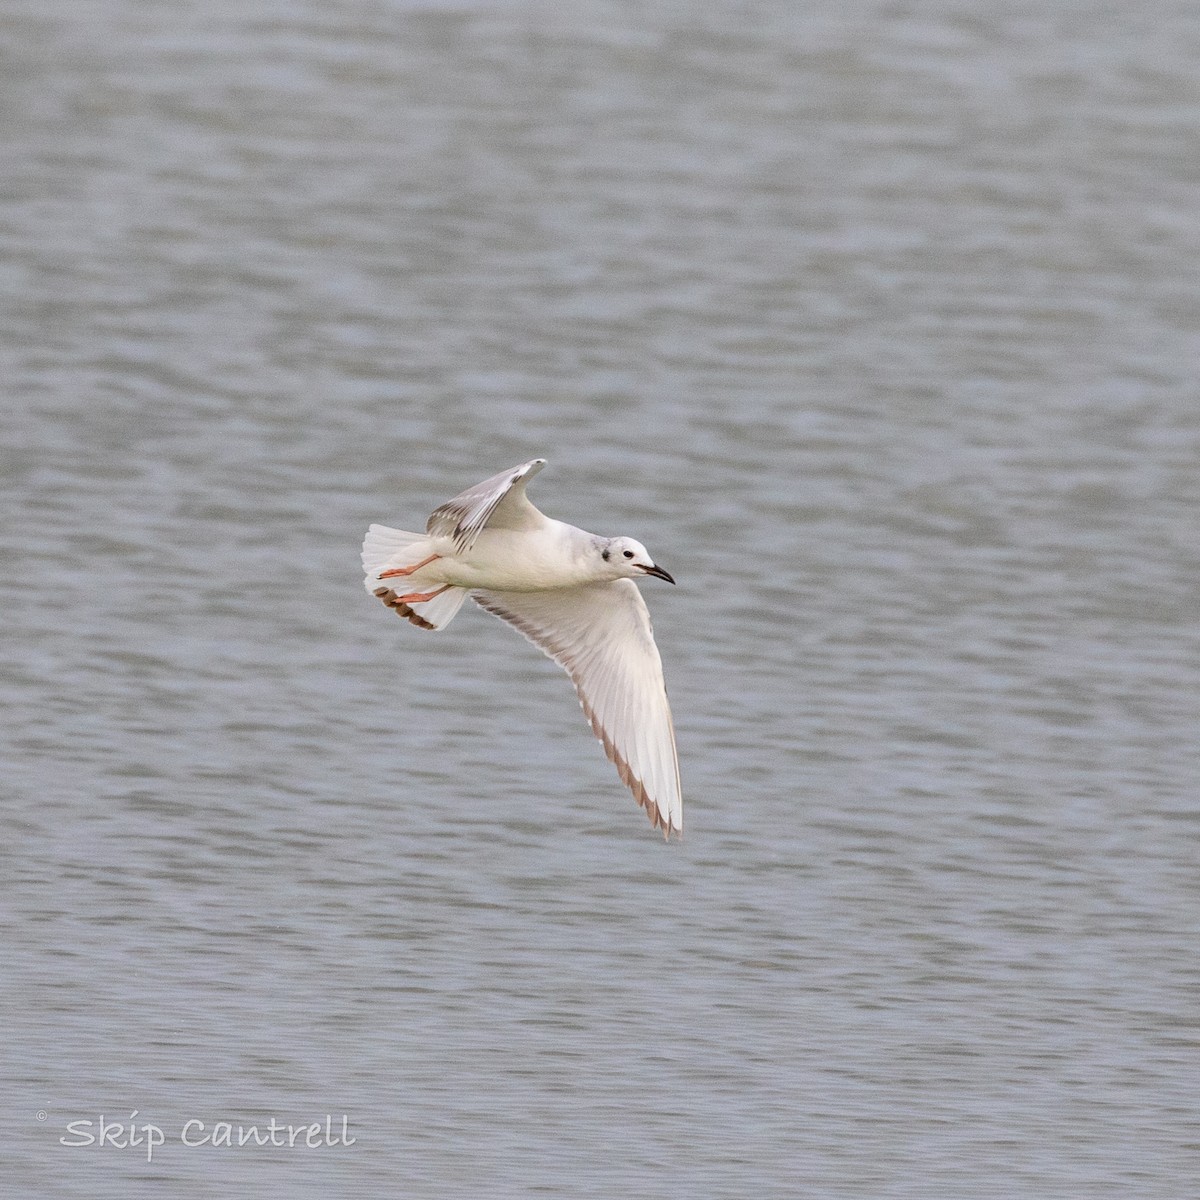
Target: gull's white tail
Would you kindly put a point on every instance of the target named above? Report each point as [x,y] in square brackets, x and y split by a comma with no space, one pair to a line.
[385,549]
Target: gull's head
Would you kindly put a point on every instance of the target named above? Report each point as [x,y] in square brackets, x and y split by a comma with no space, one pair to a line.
[629,559]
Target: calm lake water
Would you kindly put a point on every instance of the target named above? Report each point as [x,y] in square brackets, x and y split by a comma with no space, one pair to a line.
[879,324]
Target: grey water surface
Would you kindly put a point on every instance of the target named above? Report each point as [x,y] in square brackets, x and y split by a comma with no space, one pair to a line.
[878,323]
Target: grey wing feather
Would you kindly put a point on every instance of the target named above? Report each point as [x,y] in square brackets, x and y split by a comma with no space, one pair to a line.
[500,500]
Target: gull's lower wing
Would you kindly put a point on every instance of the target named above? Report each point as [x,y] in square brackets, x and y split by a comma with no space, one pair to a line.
[601,635]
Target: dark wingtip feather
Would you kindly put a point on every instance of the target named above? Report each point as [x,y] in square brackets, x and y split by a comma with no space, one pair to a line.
[398,606]
[627,777]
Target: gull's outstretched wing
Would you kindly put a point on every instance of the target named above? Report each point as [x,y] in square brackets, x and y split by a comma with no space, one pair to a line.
[499,502]
[600,634]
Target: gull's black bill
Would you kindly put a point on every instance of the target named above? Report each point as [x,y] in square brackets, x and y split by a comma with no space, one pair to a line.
[658,571]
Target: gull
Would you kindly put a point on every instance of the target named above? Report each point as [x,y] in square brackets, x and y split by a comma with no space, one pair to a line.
[569,592]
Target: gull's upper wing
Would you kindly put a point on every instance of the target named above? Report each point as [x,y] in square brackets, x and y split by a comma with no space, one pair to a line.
[499,502]
[600,634]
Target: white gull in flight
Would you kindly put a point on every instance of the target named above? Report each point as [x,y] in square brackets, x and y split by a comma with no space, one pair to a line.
[569,592]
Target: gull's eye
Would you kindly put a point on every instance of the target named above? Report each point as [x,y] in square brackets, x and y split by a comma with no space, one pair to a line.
[628,553]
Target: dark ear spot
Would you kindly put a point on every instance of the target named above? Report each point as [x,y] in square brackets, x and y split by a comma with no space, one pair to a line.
[604,555]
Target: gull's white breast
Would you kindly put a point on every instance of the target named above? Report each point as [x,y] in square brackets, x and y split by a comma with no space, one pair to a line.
[556,555]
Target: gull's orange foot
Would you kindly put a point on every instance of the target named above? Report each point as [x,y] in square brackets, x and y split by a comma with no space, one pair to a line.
[395,572]
[421,597]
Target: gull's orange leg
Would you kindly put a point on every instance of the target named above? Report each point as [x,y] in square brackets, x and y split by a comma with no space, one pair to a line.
[396,571]
[421,597]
